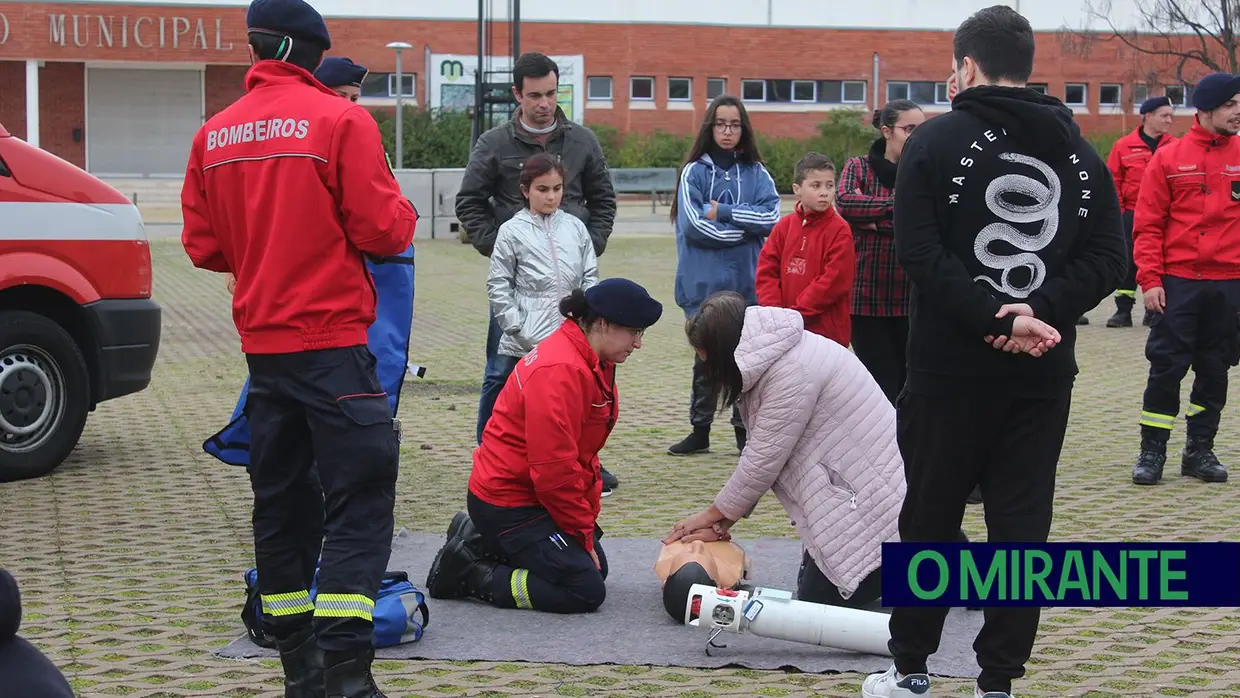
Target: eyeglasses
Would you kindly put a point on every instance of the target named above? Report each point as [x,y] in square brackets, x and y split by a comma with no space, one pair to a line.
[726,126]
[907,128]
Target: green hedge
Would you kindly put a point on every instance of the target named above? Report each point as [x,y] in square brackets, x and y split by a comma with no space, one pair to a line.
[441,140]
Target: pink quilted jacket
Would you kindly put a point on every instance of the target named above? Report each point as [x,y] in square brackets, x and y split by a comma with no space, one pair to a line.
[822,437]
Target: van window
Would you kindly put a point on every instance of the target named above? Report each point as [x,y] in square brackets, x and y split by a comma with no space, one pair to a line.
[4,169]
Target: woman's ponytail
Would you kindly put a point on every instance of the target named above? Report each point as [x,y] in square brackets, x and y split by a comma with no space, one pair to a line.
[574,306]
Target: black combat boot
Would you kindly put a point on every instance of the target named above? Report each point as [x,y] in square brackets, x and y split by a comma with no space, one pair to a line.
[303,665]
[1082,320]
[347,675]
[1123,312]
[443,581]
[1153,456]
[697,442]
[1200,462]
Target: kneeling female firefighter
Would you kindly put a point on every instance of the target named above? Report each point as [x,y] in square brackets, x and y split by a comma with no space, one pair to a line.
[531,538]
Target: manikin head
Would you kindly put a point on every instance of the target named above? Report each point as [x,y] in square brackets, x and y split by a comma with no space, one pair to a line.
[542,183]
[721,564]
[994,46]
[1217,100]
[1157,116]
[536,86]
[287,30]
[613,314]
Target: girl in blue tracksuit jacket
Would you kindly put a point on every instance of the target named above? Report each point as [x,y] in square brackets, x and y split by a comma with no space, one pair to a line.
[725,206]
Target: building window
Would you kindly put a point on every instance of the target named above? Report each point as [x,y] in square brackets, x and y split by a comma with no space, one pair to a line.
[804,90]
[920,92]
[641,89]
[753,90]
[1075,94]
[598,87]
[1039,87]
[715,87]
[940,93]
[854,92]
[1110,95]
[679,89]
[383,85]
[1140,92]
[1178,94]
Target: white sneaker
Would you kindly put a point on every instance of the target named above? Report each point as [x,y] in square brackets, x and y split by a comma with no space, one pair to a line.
[890,684]
[977,693]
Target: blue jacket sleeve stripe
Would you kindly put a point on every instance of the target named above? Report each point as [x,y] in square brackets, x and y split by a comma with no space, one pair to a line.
[760,212]
[691,209]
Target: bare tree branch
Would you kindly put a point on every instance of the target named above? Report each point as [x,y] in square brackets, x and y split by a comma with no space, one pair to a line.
[1189,35]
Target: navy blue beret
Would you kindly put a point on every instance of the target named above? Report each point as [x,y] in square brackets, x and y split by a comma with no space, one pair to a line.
[1214,90]
[336,71]
[622,302]
[1154,103]
[295,19]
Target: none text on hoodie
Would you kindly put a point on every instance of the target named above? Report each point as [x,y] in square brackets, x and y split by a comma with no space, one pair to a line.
[1002,201]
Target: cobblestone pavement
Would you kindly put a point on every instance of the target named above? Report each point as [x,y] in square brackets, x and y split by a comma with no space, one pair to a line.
[131,554]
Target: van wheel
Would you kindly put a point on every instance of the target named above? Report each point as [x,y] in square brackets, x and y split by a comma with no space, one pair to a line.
[44,395]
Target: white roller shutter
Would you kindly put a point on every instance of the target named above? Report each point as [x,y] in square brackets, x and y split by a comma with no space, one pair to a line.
[141,122]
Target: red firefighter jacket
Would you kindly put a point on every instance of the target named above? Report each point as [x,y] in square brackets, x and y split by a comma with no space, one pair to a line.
[1129,157]
[808,264]
[287,189]
[541,444]
[1187,222]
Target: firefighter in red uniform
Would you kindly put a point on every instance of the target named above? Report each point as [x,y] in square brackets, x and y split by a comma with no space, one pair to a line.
[531,538]
[1187,250]
[1129,157]
[288,189]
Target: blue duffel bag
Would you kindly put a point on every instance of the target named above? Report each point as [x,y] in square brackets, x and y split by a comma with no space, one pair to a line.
[400,613]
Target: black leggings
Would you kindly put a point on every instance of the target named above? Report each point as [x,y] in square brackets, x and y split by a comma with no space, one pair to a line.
[879,342]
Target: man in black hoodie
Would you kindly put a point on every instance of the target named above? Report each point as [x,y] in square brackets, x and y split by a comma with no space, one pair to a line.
[24,671]
[1008,223]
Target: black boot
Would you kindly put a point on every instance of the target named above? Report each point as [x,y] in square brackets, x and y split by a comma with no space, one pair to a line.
[1148,319]
[347,675]
[446,576]
[1200,462]
[610,482]
[1153,456]
[697,442]
[1082,320]
[741,436]
[1123,312]
[303,665]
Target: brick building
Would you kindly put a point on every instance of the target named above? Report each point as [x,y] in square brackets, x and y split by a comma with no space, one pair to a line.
[120,88]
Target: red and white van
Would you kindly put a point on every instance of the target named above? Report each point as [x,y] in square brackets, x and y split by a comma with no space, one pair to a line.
[77,323]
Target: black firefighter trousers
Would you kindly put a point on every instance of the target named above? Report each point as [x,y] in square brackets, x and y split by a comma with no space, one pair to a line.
[1010,446]
[323,408]
[1198,328]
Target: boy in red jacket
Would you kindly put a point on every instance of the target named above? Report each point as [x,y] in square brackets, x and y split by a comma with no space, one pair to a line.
[809,262]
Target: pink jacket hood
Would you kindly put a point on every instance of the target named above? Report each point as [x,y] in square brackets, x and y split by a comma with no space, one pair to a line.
[822,438]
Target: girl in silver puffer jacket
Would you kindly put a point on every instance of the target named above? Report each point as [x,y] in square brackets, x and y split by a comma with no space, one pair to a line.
[541,255]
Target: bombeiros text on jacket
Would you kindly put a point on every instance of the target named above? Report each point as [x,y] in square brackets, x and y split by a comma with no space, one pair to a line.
[250,131]
[1018,199]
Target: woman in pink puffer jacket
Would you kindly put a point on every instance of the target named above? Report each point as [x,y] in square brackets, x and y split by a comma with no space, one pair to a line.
[822,437]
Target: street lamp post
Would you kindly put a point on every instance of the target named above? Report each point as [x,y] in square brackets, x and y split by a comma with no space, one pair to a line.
[399,46]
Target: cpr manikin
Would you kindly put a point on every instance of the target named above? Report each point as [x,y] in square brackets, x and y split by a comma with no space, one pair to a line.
[704,586]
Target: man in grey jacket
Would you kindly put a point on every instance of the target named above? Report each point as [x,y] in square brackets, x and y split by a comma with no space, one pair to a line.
[490,192]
